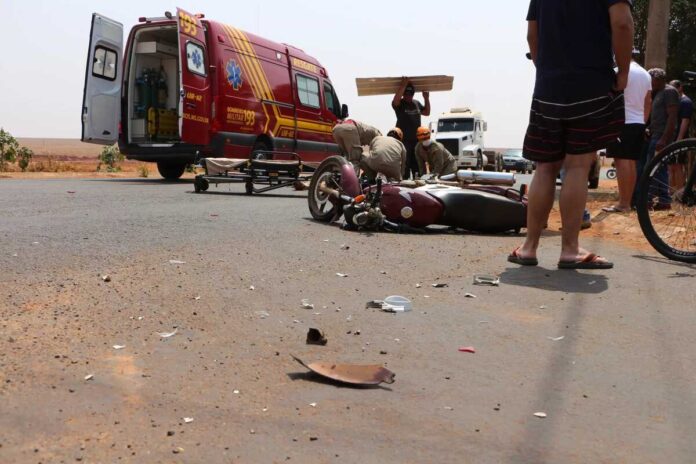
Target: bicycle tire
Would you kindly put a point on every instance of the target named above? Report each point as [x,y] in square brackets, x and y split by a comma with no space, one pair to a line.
[671,232]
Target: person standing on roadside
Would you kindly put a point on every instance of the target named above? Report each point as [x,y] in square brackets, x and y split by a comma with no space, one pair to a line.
[351,136]
[638,99]
[663,125]
[677,171]
[408,119]
[577,109]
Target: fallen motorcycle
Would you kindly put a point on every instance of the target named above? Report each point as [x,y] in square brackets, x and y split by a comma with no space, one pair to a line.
[476,201]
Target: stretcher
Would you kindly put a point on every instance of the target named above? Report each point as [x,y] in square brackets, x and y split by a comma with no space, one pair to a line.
[272,169]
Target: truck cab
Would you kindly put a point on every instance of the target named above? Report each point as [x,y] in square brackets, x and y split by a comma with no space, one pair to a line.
[461,131]
[183,87]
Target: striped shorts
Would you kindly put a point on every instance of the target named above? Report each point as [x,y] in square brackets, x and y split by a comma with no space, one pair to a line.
[556,130]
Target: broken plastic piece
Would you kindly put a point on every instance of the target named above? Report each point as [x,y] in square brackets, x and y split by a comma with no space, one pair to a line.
[341,275]
[345,247]
[119,347]
[174,261]
[167,334]
[251,287]
[468,349]
[481,279]
[188,420]
[316,337]
[307,305]
[353,374]
[540,415]
[89,377]
[556,339]
[438,285]
[106,278]
[470,295]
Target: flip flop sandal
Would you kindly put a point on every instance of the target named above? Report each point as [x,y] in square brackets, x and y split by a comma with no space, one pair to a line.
[615,209]
[591,261]
[515,258]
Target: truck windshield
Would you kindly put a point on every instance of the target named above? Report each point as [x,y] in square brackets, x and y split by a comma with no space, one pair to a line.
[455,125]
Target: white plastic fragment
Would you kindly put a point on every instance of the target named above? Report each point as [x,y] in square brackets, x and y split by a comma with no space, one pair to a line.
[197,298]
[470,295]
[175,261]
[314,405]
[252,288]
[418,285]
[263,314]
[188,420]
[307,305]
[167,334]
[341,275]
[236,392]
[542,307]
[89,377]
[119,347]
[540,415]
[440,285]
[556,339]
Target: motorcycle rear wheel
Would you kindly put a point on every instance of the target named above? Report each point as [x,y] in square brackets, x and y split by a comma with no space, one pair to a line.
[322,206]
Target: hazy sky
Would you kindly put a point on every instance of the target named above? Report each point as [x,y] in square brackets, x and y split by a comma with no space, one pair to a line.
[481,43]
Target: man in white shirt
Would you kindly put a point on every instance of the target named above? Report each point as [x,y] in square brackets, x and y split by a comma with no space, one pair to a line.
[638,101]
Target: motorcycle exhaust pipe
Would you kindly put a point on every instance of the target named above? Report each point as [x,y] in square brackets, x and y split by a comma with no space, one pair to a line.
[482,178]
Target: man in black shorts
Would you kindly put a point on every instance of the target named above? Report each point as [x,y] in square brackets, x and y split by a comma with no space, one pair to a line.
[638,101]
[577,110]
[408,119]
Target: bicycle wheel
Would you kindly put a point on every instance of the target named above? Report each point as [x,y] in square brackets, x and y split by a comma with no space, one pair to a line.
[667,214]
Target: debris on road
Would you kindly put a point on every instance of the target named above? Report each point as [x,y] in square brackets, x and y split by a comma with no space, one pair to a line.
[307,305]
[252,288]
[197,298]
[106,278]
[316,337]
[89,377]
[345,247]
[391,304]
[439,285]
[119,347]
[467,349]
[314,405]
[188,420]
[470,295]
[352,374]
[493,281]
[540,415]
[341,275]
[175,261]
[418,285]
[167,334]
[556,339]
[263,314]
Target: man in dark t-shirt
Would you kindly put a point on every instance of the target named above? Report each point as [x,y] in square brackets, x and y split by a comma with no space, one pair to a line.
[577,110]
[408,119]
[677,170]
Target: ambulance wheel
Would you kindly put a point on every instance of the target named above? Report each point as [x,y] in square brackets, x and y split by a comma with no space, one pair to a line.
[171,170]
[322,206]
[260,145]
[200,185]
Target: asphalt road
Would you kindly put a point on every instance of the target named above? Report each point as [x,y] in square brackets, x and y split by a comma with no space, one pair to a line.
[618,387]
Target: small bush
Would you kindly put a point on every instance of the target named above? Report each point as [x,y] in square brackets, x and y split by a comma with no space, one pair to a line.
[24,155]
[143,170]
[8,149]
[110,157]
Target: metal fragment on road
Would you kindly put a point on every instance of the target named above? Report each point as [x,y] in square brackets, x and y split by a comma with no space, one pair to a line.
[167,334]
[176,261]
[540,415]
[307,305]
[352,374]
[556,339]
[316,337]
[493,281]
[119,347]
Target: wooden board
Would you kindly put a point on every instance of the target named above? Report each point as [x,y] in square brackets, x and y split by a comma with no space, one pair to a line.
[368,86]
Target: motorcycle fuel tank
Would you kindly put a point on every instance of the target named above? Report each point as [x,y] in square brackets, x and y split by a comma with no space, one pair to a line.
[410,206]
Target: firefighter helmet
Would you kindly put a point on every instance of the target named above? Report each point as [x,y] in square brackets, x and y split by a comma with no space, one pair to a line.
[396,133]
[423,133]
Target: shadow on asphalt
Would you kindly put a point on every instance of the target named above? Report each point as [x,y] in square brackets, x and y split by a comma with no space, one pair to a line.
[255,195]
[661,260]
[555,280]
[153,182]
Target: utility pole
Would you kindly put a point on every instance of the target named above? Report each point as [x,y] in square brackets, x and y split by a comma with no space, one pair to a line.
[656,45]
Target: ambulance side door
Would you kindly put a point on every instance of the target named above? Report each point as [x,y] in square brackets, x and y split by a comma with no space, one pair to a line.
[195,103]
[101,99]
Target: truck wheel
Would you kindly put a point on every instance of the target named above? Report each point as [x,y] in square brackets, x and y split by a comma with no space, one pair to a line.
[479,162]
[171,170]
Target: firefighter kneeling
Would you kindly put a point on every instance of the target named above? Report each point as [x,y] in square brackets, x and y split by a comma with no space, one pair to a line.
[439,159]
[385,155]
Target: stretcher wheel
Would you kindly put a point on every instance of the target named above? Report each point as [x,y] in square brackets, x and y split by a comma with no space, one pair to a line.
[200,185]
[249,187]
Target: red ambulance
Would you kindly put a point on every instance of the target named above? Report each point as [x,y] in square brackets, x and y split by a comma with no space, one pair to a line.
[185,85]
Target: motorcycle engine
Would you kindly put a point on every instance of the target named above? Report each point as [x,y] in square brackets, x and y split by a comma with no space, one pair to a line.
[363,216]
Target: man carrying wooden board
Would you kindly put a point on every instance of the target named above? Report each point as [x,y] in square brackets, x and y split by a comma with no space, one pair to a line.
[408,119]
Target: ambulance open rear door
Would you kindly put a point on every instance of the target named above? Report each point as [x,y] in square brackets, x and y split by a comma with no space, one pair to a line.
[101,102]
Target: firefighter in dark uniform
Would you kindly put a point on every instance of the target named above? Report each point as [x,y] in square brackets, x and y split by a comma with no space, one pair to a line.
[408,119]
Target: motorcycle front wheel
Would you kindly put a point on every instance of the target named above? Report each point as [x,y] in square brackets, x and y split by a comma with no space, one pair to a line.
[323,206]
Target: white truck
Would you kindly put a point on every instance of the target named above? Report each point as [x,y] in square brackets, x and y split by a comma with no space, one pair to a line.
[461,132]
